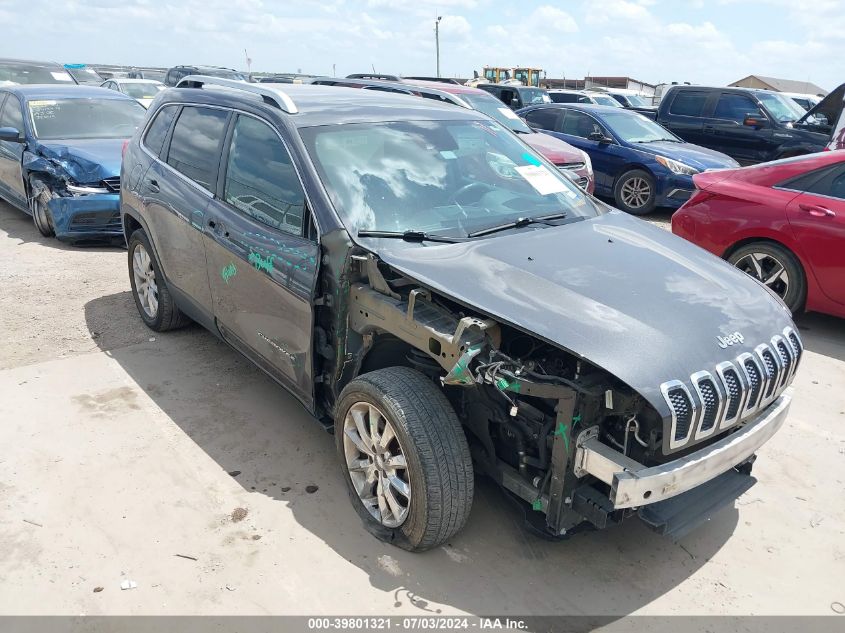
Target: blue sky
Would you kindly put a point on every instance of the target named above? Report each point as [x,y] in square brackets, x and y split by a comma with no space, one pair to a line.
[715,41]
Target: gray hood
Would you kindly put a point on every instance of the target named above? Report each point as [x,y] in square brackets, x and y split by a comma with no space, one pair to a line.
[629,297]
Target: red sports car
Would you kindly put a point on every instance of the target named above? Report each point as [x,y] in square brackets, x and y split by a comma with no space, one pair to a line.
[782,222]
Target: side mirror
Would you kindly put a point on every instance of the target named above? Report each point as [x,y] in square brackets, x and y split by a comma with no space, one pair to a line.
[598,137]
[755,120]
[514,103]
[11,134]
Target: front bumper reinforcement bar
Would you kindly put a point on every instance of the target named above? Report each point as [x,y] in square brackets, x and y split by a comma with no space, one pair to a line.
[634,485]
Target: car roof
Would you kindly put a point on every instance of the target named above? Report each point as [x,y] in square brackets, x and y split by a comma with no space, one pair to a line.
[28,62]
[56,91]
[589,107]
[455,89]
[330,105]
[129,80]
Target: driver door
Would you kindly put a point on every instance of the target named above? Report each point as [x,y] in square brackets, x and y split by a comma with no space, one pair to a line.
[11,154]
[263,255]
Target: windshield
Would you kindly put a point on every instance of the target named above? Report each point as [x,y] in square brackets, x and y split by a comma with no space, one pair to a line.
[782,108]
[141,90]
[27,74]
[533,96]
[494,108]
[636,100]
[441,177]
[222,72]
[85,75]
[85,118]
[606,101]
[635,128]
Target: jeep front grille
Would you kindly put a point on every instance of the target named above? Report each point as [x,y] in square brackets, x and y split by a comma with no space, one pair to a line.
[735,392]
[112,184]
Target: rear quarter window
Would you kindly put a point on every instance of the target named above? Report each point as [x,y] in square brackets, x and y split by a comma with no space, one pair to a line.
[195,144]
[688,103]
[157,132]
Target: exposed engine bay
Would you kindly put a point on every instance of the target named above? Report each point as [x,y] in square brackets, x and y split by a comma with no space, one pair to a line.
[523,401]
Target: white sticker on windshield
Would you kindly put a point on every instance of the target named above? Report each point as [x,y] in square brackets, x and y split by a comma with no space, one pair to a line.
[447,154]
[543,180]
[507,112]
[61,76]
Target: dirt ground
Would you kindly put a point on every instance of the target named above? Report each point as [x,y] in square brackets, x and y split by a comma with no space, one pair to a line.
[168,460]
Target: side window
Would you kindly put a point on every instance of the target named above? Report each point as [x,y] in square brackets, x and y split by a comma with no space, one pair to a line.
[579,124]
[154,140]
[735,107]
[195,144]
[831,183]
[688,103]
[11,115]
[260,177]
[545,118]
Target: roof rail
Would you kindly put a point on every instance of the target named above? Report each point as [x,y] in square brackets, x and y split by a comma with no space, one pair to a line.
[272,96]
[409,88]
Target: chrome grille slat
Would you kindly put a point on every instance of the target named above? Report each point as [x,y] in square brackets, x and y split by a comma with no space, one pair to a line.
[737,390]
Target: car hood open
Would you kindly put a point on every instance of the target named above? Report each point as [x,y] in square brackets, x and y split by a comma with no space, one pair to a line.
[629,297]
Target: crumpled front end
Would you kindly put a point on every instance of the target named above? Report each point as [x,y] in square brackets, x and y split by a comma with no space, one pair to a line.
[93,216]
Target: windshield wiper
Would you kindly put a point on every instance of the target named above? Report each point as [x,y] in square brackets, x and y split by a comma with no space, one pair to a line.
[517,224]
[410,236]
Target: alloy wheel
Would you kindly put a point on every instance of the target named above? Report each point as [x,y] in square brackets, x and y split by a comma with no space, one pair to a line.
[635,192]
[377,465]
[145,281]
[767,269]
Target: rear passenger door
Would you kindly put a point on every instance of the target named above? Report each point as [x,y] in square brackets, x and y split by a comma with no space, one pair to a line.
[262,255]
[685,115]
[817,218]
[727,133]
[176,190]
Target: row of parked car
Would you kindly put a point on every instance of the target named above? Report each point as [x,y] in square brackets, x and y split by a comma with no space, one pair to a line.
[431,278]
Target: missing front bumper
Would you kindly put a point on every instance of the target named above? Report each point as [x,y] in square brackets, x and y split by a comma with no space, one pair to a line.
[634,485]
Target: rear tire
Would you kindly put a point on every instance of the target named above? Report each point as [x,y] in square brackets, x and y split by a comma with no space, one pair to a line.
[149,289]
[412,424]
[775,266]
[635,192]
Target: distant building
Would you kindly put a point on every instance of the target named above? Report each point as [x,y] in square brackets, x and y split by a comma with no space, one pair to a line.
[779,85]
[623,83]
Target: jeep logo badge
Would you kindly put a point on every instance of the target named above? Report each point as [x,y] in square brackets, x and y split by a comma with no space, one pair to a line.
[730,339]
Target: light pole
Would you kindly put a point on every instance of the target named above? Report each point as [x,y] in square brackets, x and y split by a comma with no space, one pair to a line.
[437,41]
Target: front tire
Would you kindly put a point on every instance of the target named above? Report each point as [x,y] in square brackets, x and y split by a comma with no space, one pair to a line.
[405,458]
[41,216]
[776,267]
[635,192]
[152,296]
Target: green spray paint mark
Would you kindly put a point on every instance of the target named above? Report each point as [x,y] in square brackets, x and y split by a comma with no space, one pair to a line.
[563,431]
[576,419]
[262,263]
[228,272]
[537,504]
[531,159]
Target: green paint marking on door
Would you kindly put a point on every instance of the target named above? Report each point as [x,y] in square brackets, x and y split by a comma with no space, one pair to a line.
[262,263]
[228,272]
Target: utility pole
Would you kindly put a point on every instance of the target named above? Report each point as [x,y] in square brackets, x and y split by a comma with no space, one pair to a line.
[437,41]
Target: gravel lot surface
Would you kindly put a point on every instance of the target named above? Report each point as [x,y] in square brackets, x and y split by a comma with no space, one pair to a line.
[170,461]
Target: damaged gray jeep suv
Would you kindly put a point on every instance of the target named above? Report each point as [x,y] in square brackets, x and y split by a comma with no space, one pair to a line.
[449,303]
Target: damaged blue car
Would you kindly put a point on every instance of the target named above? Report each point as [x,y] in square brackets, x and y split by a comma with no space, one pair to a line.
[60,155]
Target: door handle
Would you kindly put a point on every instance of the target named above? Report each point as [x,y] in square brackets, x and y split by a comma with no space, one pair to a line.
[152,186]
[818,211]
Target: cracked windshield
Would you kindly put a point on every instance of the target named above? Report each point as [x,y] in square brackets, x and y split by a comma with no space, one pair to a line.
[447,178]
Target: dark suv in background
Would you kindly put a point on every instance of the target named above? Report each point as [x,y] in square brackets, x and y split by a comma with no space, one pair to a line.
[439,294]
[175,74]
[516,97]
[750,126]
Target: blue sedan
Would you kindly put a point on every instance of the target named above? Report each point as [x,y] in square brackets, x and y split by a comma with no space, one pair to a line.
[60,154]
[638,163]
